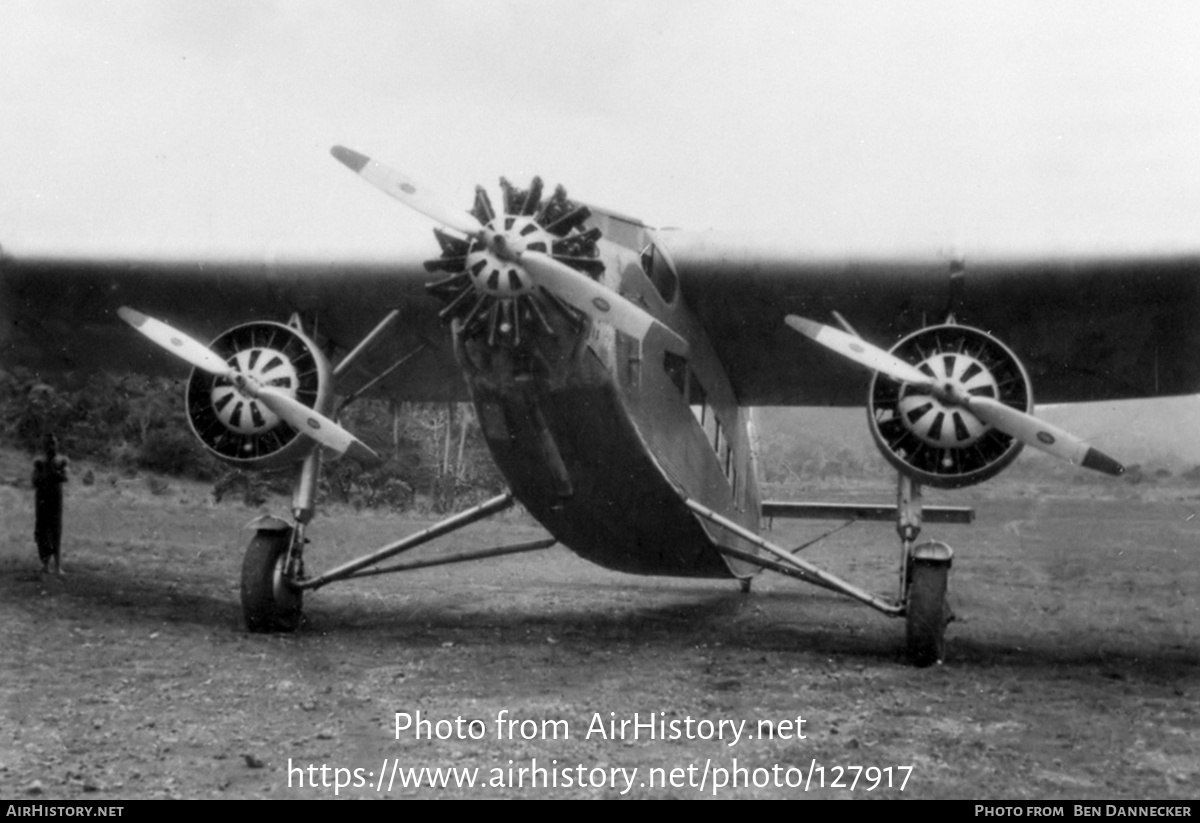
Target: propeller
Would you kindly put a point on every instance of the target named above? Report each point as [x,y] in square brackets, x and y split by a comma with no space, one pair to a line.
[571,286]
[1016,423]
[305,420]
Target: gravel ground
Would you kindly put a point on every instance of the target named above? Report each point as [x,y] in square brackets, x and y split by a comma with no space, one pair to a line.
[1072,667]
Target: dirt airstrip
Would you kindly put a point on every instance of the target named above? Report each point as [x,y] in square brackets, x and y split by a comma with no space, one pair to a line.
[1073,668]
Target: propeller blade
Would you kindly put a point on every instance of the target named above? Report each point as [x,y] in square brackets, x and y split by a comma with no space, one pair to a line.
[407,191]
[311,423]
[593,299]
[1041,435]
[175,342]
[860,351]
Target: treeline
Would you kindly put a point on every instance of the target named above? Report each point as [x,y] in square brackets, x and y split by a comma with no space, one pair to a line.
[788,456]
[434,455]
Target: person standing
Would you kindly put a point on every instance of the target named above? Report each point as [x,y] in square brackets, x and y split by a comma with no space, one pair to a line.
[49,474]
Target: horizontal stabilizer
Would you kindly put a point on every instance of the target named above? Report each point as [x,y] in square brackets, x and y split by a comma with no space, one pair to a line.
[862,511]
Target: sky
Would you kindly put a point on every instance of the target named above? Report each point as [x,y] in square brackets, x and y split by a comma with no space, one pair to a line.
[173,127]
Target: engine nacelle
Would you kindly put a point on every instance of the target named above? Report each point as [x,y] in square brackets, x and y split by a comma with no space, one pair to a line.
[238,428]
[943,445]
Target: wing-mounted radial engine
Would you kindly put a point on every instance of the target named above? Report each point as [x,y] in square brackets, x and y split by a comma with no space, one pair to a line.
[240,427]
[924,432]
[487,290]
[951,405]
[255,392]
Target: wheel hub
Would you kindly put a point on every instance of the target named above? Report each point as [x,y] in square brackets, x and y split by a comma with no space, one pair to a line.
[285,593]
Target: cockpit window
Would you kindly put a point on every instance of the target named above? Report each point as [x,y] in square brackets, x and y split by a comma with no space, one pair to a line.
[661,273]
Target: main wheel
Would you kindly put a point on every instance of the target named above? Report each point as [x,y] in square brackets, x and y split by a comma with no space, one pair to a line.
[269,602]
[927,613]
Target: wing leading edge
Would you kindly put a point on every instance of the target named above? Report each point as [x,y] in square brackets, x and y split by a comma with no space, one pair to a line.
[1086,328]
[59,314]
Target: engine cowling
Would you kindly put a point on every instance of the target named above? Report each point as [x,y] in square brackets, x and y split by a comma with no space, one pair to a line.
[943,445]
[239,429]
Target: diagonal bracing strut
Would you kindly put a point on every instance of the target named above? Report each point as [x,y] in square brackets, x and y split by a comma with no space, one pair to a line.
[785,558]
[486,509]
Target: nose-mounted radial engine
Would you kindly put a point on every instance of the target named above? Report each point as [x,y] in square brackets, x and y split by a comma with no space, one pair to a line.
[528,274]
[507,268]
[491,295]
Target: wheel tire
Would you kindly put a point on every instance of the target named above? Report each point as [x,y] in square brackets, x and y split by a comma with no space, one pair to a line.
[268,602]
[927,613]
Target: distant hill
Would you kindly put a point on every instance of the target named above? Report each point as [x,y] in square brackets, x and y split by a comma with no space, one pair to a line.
[1155,433]
[1163,432]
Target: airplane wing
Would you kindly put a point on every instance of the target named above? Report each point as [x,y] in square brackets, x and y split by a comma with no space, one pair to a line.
[59,314]
[1086,328]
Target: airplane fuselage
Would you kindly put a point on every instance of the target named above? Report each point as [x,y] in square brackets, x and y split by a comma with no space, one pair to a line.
[602,437]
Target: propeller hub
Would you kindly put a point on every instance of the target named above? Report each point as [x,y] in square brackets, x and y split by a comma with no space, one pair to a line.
[235,399]
[523,273]
[941,416]
[493,261]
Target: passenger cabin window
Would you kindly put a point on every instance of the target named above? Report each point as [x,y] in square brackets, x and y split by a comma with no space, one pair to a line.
[676,369]
[698,400]
[687,384]
[660,272]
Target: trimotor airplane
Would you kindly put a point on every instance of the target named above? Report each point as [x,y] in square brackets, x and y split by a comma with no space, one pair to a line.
[613,368]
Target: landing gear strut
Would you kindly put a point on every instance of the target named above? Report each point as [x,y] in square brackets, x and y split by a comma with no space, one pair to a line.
[924,569]
[273,567]
[273,575]
[273,578]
